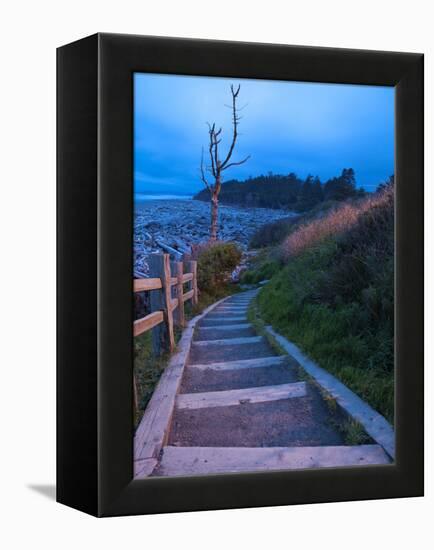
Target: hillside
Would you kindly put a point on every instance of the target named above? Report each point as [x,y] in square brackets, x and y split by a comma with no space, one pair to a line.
[287,192]
[332,293]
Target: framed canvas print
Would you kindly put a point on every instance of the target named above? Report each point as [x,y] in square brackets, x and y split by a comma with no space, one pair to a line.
[240,275]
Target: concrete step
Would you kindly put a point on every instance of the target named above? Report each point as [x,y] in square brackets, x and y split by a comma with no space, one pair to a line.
[242,363]
[248,340]
[208,380]
[236,326]
[221,333]
[228,349]
[240,397]
[295,422]
[226,314]
[210,320]
[244,307]
[230,311]
[218,460]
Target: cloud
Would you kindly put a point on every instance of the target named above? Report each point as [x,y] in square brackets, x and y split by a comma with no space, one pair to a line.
[286,126]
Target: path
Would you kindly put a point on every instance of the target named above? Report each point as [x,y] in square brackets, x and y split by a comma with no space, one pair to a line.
[242,407]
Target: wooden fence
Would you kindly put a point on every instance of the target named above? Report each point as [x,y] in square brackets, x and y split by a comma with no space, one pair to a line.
[166,281]
[167,298]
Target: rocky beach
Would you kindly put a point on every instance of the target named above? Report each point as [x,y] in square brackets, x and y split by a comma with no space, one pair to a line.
[173,225]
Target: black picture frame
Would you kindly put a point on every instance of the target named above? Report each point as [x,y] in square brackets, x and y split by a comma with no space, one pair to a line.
[95,213]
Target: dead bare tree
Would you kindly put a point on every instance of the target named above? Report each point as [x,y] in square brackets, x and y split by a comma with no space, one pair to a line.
[217,166]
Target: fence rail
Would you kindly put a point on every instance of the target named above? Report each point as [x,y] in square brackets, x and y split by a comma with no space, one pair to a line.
[166,283]
[166,286]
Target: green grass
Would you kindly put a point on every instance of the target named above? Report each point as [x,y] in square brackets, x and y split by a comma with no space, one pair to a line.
[352,430]
[147,369]
[264,271]
[354,433]
[343,339]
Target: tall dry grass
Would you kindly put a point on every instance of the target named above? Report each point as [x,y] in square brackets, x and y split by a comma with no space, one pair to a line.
[334,222]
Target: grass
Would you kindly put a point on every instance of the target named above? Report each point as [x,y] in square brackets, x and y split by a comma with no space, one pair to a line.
[352,430]
[330,401]
[147,369]
[265,270]
[337,338]
[354,433]
[332,295]
[259,326]
[334,222]
[274,233]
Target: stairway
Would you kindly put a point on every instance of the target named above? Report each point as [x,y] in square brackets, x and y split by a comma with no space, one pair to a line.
[242,407]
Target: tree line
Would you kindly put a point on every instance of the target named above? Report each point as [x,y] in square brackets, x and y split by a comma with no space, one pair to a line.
[286,191]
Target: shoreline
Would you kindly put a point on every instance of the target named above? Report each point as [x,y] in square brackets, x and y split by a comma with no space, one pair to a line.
[181,223]
[146,199]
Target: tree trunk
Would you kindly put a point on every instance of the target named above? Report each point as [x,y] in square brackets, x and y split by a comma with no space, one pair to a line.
[214,217]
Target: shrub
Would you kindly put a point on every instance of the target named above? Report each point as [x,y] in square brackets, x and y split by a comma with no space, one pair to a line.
[335,222]
[215,263]
[263,272]
[272,233]
[363,265]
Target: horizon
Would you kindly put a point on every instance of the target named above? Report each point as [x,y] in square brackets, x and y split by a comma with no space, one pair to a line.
[312,128]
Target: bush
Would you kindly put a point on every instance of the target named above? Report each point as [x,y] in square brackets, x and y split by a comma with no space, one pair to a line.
[215,263]
[363,265]
[272,233]
[263,272]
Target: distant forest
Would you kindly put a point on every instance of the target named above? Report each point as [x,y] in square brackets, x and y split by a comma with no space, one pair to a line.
[286,192]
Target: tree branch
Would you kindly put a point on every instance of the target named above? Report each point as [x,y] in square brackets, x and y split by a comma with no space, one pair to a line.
[211,145]
[216,168]
[202,174]
[216,154]
[235,120]
[236,163]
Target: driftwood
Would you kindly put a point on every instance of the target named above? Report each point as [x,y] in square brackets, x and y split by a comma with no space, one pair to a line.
[139,274]
[176,253]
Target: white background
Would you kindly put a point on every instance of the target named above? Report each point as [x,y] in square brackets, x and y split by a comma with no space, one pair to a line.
[30,32]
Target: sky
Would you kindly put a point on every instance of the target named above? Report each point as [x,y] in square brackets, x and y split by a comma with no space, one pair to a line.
[306,128]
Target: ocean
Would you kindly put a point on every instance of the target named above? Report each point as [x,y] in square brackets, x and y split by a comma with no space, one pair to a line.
[141,197]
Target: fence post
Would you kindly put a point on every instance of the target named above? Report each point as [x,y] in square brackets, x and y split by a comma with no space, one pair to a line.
[193,266]
[173,288]
[135,394]
[179,292]
[188,270]
[162,335]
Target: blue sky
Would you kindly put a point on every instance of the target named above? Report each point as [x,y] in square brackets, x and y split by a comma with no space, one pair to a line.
[306,128]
